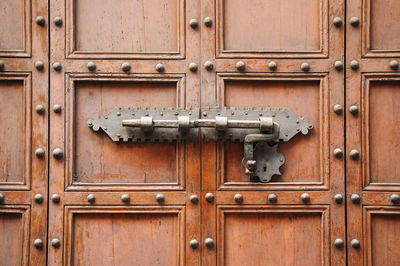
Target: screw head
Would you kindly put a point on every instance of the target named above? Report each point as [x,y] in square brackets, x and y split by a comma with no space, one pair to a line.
[56,198]
[194,243]
[395,198]
[160,198]
[305,197]
[56,243]
[208,65]
[40,108]
[353,109]
[355,243]
[208,21]
[241,66]
[305,67]
[160,67]
[394,64]
[355,198]
[209,197]
[57,108]
[209,242]
[354,64]
[354,21]
[57,66]
[39,65]
[125,198]
[126,67]
[40,153]
[338,109]
[272,198]
[91,198]
[38,243]
[58,153]
[91,66]
[40,20]
[337,22]
[193,67]
[39,198]
[2,198]
[1,65]
[194,199]
[272,65]
[354,154]
[194,23]
[339,198]
[58,21]
[238,198]
[339,65]
[338,243]
[338,152]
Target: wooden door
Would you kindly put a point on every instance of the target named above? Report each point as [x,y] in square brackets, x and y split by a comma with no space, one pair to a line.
[372,97]
[23,131]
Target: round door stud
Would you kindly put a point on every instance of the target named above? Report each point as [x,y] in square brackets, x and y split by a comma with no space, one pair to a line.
[193,67]
[194,199]
[355,198]
[40,20]
[91,198]
[238,198]
[57,108]
[353,109]
[339,243]
[355,243]
[56,198]
[194,243]
[338,109]
[338,198]
[305,197]
[57,66]
[58,153]
[273,198]
[354,154]
[240,66]
[56,243]
[40,109]
[126,67]
[209,197]
[39,65]
[91,66]
[337,22]
[339,65]
[194,23]
[58,21]
[209,242]
[160,67]
[208,65]
[354,64]
[338,153]
[38,243]
[208,21]
[40,153]
[305,67]
[272,65]
[125,198]
[354,21]
[160,198]
[395,198]
[39,198]
[394,64]
[2,198]
[1,65]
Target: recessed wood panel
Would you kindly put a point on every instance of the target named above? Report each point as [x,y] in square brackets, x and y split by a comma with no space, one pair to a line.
[99,160]
[14,14]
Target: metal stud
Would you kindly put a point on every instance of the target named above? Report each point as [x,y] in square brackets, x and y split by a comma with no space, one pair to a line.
[194,199]
[39,198]
[208,21]
[272,65]
[1,65]
[305,197]
[395,198]
[209,197]
[208,65]
[56,198]
[160,67]
[160,198]
[238,198]
[355,243]
[338,152]
[338,198]
[194,243]
[272,198]
[126,67]
[193,67]
[39,65]
[339,65]
[40,152]
[91,66]
[209,242]
[305,67]
[91,198]
[40,108]
[58,21]
[354,21]
[57,108]
[57,66]
[338,109]
[38,243]
[2,198]
[125,198]
[194,23]
[338,243]
[394,64]
[241,66]
[40,20]
[354,64]
[337,22]
[56,243]
[355,198]
[58,153]
[355,154]
[353,109]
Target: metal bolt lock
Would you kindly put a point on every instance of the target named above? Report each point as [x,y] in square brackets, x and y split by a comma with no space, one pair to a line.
[57,66]
[160,198]
[57,108]
[339,243]
[209,242]
[39,198]
[55,242]
[194,199]
[194,243]
[38,243]
[355,154]
[272,65]
[40,153]
[58,21]
[353,109]
[39,65]
[40,20]
[394,64]
[193,67]
[160,67]
[305,67]
[238,198]
[208,65]
[305,197]
[208,21]
[395,198]
[338,109]
[1,65]
[56,198]
[355,198]
[126,67]
[338,198]
[91,66]
[338,152]
[58,153]
[337,22]
[354,21]
[355,243]
[354,64]
[125,198]
[40,109]
[241,66]
[209,197]
[194,23]
[91,198]
[2,198]
[339,65]
[272,198]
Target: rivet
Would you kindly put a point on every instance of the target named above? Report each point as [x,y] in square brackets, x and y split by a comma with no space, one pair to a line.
[208,65]
[38,243]
[57,108]
[272,65]
[58,153]
[354,64]
[40,108]
[339,243]
[160,67]
[208,21]
[353,109]
[354,154]
[55,198]
[39,198]
[355,243]
[337,22]
[193,67]
[194,243]
[272,198]
[57,66]
[58,21]
[241,66]
[305,67]
[2,198]
[194,23]
[354,21]
[305,197]
[209,242]
[91,198]
[194,199]
[238,198]
[355,198]
[39,65]
[394,64]
[1,65]
[56,243]
[338,109]
[338,198]
[125,198]
[209,197]
[395,198]
[40,152]
[339,65]
[160,198]
[40,20]
[338,152]
[91,66]
[126,67]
